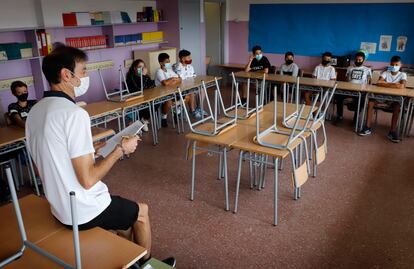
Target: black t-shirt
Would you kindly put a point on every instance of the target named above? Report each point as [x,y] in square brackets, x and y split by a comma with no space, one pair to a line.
[259,65]
[15,108]
[134,82]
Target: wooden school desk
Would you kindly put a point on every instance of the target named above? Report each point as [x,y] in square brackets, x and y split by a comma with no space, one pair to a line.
[240,137]
[104,112]
[13,138]
[343,88]
[101,133]
[161,94]
[387,94]
[99,248]
[38,221]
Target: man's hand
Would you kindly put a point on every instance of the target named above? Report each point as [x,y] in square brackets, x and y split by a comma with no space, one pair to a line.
[144,71]
[129,144]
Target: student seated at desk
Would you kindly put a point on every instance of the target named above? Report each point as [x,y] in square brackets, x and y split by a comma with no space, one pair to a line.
[392,78]
[358,74]
[185,70]
[133,80]
[257,63]
[59,139]
[17,112]
[323,71]
[289,68]
[165,76]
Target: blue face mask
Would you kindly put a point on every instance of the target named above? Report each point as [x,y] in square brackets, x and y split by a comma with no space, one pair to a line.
[139,71]
[168,65]
[259,56]
[394,68]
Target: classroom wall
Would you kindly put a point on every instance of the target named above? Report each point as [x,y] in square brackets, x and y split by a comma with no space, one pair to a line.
[12,17]
[238,31]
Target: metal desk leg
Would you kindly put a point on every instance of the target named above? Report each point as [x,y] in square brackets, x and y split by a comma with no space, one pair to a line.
[226,182]
[399,123]
[236,202]
[358,108]
[193,171]
[364,111]
[153,128]
[32,169]
[275,191]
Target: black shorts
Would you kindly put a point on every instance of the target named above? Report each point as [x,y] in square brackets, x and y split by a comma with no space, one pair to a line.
[119,215]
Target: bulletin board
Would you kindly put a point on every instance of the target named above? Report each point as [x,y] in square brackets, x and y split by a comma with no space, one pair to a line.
[311,29]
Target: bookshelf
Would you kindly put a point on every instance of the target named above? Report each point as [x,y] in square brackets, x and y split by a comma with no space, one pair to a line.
[31,66]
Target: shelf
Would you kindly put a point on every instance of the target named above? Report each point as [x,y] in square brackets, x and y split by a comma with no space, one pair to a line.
[100,25]
[21,59]
[142,44]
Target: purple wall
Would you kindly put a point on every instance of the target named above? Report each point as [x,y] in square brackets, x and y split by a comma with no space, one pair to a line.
[172,27]
[239,52]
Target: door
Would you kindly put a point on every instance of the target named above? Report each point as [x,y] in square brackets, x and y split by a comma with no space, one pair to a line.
[190,31]
[213,31]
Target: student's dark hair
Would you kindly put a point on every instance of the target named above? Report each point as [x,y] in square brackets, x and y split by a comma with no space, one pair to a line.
[327,54]
[162,57]
[183,53]
[256,48]
[59,58]
[289,53]
[134,65]
[16,84]
[360,54]
[395,59]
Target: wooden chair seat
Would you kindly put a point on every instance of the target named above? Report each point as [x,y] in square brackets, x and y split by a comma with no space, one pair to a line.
[241,112]
[101,133]
[38,221]
[301,175]
[99,249]
[302,122]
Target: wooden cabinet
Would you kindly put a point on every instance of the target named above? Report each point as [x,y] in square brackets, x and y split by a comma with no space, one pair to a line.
[150,57]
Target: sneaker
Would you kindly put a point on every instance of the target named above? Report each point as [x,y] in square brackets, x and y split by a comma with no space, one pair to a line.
[170,261]
[202,112]
[145,128]
[177,110]
[196,114]
[366,131]
[164,123]
[393,137]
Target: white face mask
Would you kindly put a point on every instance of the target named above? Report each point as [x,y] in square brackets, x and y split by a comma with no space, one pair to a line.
[83,87]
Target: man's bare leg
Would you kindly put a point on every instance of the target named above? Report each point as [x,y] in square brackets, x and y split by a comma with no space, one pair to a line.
[142,230]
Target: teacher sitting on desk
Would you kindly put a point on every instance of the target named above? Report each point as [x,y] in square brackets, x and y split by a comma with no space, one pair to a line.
[59,139]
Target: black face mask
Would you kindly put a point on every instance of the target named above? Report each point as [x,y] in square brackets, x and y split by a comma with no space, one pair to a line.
[358,63]
[22,97]
[289,62]
[325,62]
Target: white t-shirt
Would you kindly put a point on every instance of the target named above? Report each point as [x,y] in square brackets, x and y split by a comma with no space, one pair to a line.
[291,70]
[57,130]
[358,74]
[160,75]
[184,72]
[324,72]
[388,77]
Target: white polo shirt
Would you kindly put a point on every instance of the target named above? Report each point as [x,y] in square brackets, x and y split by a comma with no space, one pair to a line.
[324,72]
[161,75]
[390,78]
[184,72]
[57,130]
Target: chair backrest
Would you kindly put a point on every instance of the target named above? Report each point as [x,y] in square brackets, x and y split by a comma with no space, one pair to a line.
[375,76]
[248,111]
[123,92]
[324,105]
[209,125]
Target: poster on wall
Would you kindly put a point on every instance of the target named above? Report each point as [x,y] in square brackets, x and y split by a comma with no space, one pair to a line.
[370,47]
[401,43]
[385,43]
